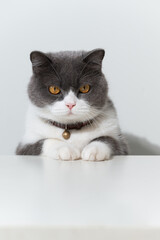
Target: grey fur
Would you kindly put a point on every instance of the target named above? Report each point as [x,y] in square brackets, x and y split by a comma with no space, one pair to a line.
[67,70]
[119,147]
[30,149]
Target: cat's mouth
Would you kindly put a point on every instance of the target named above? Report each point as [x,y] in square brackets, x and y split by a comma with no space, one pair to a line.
[70,113]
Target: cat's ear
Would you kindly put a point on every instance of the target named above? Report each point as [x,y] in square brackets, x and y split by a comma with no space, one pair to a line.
[40,62]
[95,56]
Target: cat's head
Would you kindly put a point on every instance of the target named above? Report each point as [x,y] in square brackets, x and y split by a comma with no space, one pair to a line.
[68,86]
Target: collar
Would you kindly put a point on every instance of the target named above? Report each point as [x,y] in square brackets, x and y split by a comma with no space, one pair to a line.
[71,126]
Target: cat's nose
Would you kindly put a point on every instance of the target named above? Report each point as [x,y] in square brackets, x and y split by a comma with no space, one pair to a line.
[70,105]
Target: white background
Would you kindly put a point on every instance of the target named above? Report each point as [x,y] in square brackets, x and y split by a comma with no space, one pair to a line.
[128,30]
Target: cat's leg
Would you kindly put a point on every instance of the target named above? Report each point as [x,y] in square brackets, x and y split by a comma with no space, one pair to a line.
[60,150]
[30,149]
[50,148]
[103,148]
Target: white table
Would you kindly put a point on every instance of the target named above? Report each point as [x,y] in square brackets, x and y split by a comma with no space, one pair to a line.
[44,199]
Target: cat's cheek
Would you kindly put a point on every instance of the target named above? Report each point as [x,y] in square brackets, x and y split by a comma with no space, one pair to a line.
[96,151]
[57,149]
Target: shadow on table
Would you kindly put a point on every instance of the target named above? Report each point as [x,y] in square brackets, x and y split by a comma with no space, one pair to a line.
[141,146]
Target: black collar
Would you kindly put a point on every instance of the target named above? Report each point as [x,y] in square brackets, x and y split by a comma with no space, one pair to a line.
[71,126]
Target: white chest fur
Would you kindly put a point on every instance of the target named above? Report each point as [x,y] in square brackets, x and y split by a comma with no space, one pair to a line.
[37,129]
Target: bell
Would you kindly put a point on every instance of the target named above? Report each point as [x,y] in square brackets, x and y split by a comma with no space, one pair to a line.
[66,134]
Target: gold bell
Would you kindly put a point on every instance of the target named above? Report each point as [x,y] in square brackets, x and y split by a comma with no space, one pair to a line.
[66,134]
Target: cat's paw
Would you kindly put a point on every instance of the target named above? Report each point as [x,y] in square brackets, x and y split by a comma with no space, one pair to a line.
[69,153]
[96,151]
[59,150]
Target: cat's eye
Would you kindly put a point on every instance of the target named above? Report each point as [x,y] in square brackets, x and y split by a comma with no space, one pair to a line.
[85,88]
[54,90]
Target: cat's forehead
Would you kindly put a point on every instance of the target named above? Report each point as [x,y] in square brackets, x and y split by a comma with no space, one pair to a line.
[68,65]
[67,59]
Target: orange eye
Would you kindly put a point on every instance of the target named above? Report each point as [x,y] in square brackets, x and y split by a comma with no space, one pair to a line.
[54,90]
[85,88]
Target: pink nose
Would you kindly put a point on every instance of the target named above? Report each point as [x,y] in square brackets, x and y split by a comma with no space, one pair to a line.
[70,105]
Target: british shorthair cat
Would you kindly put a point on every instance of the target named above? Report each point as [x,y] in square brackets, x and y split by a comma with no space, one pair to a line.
[70,115]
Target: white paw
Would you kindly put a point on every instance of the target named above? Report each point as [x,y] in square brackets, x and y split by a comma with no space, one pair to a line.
[68,153]
[59,150]
[96,151]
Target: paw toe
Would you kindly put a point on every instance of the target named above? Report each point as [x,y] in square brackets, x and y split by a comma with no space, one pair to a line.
[64,153]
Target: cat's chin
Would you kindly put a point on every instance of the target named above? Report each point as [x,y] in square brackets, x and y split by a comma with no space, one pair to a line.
[64,119]
[67,118]
[70,118]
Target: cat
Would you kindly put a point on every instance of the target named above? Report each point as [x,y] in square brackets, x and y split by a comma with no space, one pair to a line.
[70,114]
